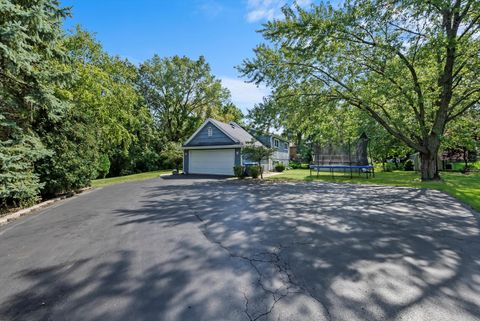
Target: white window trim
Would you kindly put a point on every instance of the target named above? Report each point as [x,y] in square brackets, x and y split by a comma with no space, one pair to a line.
[210,131]
[276,143]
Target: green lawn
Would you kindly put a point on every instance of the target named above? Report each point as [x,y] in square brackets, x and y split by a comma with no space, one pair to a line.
[465,187]
[460,165]
[128,178]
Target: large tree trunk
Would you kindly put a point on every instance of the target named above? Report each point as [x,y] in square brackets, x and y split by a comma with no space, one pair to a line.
[429,158]
[429,168]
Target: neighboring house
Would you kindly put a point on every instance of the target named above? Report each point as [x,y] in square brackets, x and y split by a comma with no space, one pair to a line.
[216,147]
[282,152]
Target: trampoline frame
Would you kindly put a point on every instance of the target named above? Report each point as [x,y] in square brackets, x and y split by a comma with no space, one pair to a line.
[344,164]
[362,169]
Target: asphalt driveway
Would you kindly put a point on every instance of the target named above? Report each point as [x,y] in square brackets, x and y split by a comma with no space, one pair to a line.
[211,249]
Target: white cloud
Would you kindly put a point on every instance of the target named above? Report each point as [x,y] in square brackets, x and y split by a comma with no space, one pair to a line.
[211,8]
[244,95]
[258,10]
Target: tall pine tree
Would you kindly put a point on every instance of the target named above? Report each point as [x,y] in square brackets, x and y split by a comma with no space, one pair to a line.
[30,38]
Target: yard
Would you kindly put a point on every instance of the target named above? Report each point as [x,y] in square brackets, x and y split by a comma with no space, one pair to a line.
[128,178]
[465,187]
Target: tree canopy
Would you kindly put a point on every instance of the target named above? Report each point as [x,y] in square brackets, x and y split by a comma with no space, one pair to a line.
[71,112]
[411,66]
[30,50]
[181,93]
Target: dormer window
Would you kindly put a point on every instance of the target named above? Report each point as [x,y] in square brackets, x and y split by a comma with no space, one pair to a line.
[209,131]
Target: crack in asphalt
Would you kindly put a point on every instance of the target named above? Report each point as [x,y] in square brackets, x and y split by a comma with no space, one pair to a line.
[289,286]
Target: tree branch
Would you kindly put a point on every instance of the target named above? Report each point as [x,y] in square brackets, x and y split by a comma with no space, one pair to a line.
[464,109]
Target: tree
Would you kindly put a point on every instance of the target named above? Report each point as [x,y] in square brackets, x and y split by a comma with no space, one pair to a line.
[381,145]
[143,155]
[30,45]
[19,184]
[256,152]
[229,112]
[103,113]
[173,154]
[181,93]
[303,117]
[412,66]
[463,135]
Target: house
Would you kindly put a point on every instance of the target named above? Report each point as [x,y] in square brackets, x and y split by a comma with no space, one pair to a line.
[281,146]
[216,147]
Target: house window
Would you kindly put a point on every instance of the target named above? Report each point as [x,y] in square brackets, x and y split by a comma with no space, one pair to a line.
[210,131]
[275,142]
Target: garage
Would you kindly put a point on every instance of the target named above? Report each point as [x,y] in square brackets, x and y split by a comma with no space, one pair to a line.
[211,161]
[215,148]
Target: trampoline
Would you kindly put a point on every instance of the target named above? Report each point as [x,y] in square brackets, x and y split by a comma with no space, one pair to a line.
[360,169]
[341,158]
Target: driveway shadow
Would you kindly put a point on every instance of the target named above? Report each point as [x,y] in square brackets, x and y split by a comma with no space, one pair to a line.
[277,250]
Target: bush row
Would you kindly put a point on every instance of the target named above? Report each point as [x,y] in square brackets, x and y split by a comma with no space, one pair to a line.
[253,171]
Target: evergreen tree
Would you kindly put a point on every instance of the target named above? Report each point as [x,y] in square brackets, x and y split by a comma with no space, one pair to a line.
[30,40]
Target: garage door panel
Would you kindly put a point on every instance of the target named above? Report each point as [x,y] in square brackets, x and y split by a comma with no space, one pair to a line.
[212,161]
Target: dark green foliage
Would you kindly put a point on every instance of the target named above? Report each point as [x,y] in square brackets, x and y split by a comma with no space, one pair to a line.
[298,165]
[143,154]
[30,40]
[408,166]
[279,167]
[73,162]
[239,171]
[255,171]
[19,184]
[103,112]
[304,153]
[30,49]
[389,167]
[294,165]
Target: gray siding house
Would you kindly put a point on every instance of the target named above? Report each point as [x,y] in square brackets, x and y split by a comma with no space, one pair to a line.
[281,146]
[216,147]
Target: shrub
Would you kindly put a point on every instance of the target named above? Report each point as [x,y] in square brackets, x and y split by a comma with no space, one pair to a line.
[255,171]
[294,165]
[103,166]
[389,167]
[239,171]
[476,165]
[279,167]
[408,166]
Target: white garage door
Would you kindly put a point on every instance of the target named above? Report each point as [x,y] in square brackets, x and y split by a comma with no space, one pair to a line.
[211,161]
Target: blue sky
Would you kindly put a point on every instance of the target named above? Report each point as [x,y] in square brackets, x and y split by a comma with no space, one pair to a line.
[221,30]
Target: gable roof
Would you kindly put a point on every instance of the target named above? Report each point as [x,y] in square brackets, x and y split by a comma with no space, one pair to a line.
[233,130]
